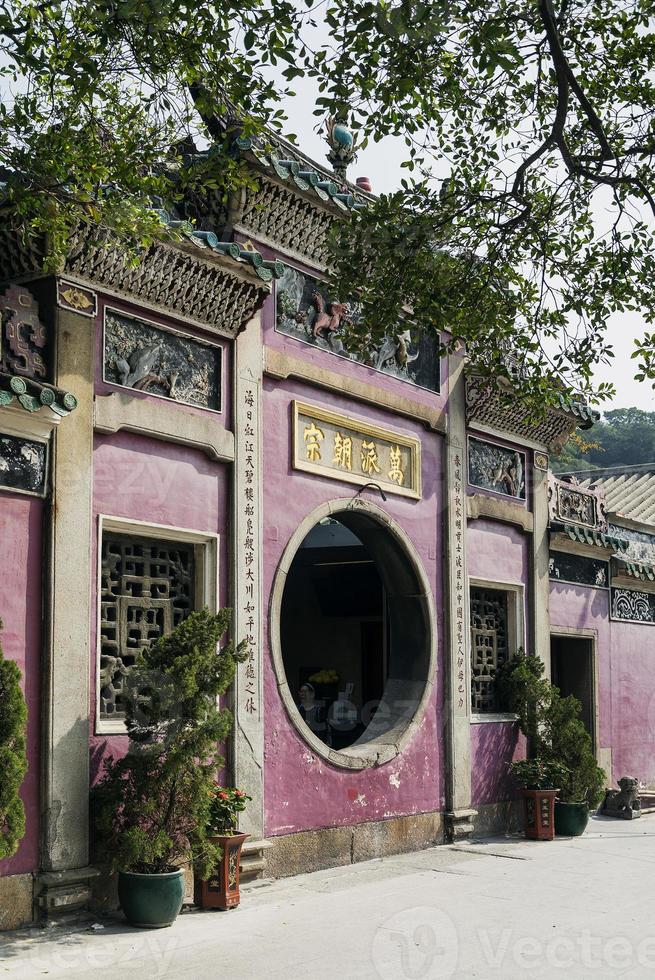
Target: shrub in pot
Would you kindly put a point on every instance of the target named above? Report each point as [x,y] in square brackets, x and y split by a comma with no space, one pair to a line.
[221,889]
[13,756]
[583,787]
[152,807]
[556,735]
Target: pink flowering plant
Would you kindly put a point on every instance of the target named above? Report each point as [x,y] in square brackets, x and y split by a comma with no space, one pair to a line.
[225,806]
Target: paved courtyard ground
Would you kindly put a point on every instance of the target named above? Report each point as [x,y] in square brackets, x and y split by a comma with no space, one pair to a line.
[577,908]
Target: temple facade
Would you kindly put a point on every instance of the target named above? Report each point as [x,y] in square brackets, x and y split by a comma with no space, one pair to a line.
[194,431]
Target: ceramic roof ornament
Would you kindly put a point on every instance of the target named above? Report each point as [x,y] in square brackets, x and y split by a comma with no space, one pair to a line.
[342,146]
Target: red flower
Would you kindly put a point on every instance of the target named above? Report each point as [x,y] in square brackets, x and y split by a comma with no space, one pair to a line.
[223,796]
[238,792]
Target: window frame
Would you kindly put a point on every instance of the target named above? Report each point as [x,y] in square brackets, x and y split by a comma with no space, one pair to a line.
[516,634]
[206,547]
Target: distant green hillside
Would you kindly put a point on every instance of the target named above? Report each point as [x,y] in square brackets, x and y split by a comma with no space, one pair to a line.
[625,437]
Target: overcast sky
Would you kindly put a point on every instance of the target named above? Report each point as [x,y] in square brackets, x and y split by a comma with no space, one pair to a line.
[381,162]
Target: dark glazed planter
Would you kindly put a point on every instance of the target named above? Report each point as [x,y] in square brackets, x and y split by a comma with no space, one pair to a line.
[571,819]
[539,815]
[151,901]
[221,890]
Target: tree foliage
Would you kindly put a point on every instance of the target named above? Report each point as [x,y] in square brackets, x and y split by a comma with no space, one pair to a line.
[13,756]
[152,808]
[624,437]
[525,220]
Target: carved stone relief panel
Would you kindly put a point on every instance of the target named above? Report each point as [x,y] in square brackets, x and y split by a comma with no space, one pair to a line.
[497,468]
[147,589]
[641,546]
[632,606]
[306,312]
[23,465]
[148,358]
[578,569]
[570,503]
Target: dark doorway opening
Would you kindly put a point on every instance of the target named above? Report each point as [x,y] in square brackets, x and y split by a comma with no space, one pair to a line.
[333,630]
[572,671]
[355,634]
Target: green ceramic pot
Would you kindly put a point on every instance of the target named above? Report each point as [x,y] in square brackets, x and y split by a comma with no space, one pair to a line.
[571,819]
[151,901]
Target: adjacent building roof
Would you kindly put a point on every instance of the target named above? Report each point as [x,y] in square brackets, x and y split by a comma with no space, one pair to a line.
[629,490]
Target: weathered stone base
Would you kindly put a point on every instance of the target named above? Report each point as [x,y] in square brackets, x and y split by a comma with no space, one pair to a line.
[331,847]
[460,824]
[16,901]
[61,894]
[496,819]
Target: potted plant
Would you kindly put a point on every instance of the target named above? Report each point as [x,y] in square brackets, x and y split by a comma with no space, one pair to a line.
[220,890]
[582,788]
[152,807]
[556,737]
[540,780]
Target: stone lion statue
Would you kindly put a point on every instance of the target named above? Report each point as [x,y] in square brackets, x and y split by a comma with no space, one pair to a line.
[623,802]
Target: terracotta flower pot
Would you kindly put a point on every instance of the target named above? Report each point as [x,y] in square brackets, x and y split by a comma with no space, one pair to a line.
[539,813]
[221,889]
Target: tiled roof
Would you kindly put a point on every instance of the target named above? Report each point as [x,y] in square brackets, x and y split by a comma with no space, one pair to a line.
[629,490]
[579,410]
[32,395]
[282,159]
[265,269]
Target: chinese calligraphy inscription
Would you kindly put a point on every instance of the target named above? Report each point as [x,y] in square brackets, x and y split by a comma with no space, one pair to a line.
[346,449]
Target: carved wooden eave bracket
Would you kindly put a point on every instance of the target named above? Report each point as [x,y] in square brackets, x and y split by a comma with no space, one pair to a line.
[187,279]
[489,408]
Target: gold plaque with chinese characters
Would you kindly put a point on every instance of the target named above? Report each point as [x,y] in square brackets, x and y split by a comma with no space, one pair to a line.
[344,448]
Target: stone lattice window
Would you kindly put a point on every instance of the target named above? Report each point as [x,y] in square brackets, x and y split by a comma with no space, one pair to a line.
[489,646]
[147,588]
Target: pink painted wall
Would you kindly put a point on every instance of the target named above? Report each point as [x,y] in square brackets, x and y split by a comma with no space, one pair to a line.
[148,480]
[160,483]
[626,680]
[493,746]
[21,563]
[498,552]
[303,791]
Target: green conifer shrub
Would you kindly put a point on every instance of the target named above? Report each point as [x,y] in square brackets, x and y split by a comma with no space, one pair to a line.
[13,756]
[151,809]
[554,728]
[570,743]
